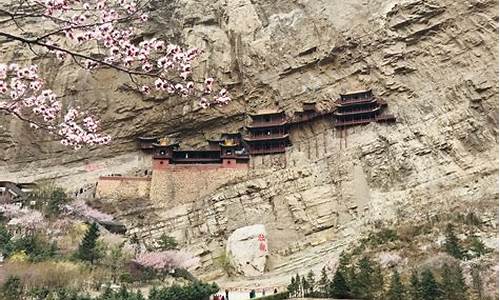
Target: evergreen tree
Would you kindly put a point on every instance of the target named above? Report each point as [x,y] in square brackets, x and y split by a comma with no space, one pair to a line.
[139,296]
[107,294]
[452,244]
[167,242]
[362,283]
[453,283]
[323,283]
[5,238]
[396,289]
[414,291]
[87,249]
[12,289]
[298,285]
[429,286]
[291,287]
[477,246]
[154,294]
[123,293]
[344,262]
[311,281]
[339,287]
[305,286]
[477,282]
[377,285]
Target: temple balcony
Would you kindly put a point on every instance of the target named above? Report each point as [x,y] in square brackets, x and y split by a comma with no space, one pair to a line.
[272,150]
[356,112]
[196,160]
[339,123]
[266,137]
[355,101]
[263,124]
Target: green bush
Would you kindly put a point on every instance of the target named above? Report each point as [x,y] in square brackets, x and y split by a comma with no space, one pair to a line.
[49,199]
[12,289]
[37,247]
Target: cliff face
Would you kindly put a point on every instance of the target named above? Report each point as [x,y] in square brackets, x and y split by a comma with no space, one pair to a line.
[434,62]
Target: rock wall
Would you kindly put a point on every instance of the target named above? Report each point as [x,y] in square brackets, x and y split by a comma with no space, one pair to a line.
[434,62]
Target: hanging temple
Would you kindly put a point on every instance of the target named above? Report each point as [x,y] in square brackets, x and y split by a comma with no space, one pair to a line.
[267,133]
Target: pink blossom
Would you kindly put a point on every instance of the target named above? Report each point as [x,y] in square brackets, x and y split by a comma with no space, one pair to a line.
[166,260]
[80,208]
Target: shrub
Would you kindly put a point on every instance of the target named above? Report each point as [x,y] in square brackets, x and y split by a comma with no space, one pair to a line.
[166,242]
[51,275]
[49,198]
[12,289]
[224,263]
[381,237]
[36,246]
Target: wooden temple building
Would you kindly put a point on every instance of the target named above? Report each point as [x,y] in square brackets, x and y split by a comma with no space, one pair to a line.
[267,133]
[226,152]
[361,107]
[309,113]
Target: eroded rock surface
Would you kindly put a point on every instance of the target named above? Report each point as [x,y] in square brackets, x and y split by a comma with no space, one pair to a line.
[434,62]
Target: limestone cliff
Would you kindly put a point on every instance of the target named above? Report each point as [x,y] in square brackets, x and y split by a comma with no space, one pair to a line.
[434,62]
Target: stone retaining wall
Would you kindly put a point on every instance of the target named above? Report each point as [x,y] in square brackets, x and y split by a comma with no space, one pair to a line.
[122,187]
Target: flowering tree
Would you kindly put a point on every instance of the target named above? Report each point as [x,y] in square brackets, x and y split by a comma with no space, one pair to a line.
[92,34]
[80,208]
[165,261]
[25,219]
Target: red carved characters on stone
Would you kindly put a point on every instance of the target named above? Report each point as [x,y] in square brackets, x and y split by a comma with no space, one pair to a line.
[262,242]
[262,246]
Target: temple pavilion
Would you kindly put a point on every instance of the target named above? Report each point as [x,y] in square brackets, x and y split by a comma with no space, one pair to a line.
[226,152]
[267,132]
[360,107]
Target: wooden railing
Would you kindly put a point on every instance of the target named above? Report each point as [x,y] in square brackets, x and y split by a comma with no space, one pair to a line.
[265,137]
[357,101]
[268,151]
[281,122]
[359,111]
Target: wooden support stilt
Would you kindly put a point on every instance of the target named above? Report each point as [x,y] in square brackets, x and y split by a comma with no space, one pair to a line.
[308,151]
[317,151]
[345,138]
[325,142]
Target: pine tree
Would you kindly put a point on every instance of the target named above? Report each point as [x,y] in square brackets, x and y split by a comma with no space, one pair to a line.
[377,285]
[139,296]
[292,287]
[339,287]
[477,282]
[429,286]
[414,291]
[396,290]
[312,281]
[453,283]
[344,262]
[324,282]
[298,285]
[362,283]
[154,294]
[87,249]
[452,244]
[305,286]
[477,246]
